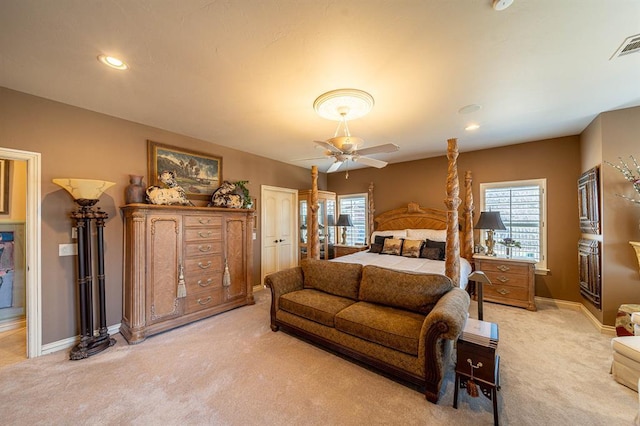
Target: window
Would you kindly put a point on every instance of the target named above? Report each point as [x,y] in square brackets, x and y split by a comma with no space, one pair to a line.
[355,205]
[522,206]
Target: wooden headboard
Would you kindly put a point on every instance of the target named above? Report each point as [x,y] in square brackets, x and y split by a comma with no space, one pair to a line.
[412,217]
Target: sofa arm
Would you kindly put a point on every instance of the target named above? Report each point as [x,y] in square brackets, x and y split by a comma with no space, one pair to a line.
[445,321]
[452,309]
[282,282]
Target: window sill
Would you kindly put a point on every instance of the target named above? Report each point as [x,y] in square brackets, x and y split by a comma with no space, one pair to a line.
[542,271]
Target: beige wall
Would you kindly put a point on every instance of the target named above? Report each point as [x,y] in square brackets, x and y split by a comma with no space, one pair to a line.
[423,181]
[79,143]
[615,134]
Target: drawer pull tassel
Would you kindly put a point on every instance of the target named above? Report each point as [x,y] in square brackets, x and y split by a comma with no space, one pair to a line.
[204,234]
[226,277]
[502,268]
[205,249]
[208,265]
[472,387]
[502,279]
[205,301]
[503,291]
[206,283]
[182,288]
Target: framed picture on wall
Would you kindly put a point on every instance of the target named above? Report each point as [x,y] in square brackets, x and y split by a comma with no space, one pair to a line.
[4,186]
[588,202]
[198,173]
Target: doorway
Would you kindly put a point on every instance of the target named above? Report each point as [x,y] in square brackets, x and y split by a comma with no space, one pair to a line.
[32,256]
[279,224]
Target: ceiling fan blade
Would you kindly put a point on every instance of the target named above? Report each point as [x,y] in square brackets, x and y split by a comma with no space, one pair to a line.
[327,145]
[370,161]
[335,166]
[310,159]
[388,147]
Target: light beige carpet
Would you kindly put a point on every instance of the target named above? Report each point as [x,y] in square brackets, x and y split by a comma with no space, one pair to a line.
[233,370]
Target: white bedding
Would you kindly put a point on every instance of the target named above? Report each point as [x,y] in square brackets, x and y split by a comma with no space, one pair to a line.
[404,263]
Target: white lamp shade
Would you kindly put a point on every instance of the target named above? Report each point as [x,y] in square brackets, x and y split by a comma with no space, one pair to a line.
[84,189]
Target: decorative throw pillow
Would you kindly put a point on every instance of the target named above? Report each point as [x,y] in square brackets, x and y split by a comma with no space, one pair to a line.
[380,239]
[411,248]
[432,253]
[438,244]
[375,248]
[392,246]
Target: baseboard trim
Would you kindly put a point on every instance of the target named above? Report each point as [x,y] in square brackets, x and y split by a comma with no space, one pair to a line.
[575,306]
[67,343]
[12,324]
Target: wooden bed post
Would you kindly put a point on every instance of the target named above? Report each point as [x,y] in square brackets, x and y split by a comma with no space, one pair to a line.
[467,213]
[313,249]
[452,202]
[372,210]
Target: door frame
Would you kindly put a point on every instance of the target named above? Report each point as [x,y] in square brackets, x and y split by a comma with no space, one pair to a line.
[32,247]
[263,216]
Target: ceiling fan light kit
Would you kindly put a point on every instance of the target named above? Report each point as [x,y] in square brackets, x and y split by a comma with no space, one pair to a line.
[343,105]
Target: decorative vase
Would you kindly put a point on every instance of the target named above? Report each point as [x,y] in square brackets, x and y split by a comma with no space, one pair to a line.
[135,191]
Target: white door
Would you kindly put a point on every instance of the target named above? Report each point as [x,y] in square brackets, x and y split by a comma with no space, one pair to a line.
[279,237]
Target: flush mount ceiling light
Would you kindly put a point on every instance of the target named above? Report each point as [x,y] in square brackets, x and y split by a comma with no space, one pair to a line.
[472,127]
[501,4]
[343,104]
[113,62]
[468,109]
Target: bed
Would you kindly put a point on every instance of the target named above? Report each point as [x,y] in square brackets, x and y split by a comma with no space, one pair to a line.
[415,222]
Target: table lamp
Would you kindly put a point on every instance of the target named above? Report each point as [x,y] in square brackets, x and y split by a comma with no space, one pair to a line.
[490,221]
[344,220]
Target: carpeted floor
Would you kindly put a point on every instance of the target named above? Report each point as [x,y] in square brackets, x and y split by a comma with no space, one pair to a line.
[233,370]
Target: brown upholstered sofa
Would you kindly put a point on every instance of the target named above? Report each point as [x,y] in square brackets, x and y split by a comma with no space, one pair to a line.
[401,323]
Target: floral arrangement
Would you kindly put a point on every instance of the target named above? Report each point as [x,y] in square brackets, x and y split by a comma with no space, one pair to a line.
[629,175]
[509,242]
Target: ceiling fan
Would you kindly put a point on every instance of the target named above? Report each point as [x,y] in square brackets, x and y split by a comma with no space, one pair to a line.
[348,103]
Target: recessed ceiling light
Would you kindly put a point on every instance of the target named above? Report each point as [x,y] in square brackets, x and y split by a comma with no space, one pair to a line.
[113,62]
[472,127]
[468,109]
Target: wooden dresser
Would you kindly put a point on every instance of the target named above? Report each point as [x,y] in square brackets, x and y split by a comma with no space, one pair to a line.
[512,280]
[174,262]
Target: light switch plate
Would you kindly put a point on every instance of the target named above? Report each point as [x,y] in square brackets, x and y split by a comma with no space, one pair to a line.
[67,249]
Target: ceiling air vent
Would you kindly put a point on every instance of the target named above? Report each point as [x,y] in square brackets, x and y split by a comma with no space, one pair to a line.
[630,45]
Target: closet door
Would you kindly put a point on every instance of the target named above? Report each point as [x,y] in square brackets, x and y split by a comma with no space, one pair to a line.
[279,237]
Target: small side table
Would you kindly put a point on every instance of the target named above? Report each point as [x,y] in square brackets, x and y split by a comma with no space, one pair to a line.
[477,365]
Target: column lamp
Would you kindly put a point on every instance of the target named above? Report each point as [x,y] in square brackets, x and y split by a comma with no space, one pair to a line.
[344,220]
[85,193]
[490,221]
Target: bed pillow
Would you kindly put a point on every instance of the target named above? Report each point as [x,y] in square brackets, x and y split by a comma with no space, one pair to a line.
[376,248]
[438,244]
[432,253]
[392,246]
[399,233]
[427,234]
[379,239]
[411,248]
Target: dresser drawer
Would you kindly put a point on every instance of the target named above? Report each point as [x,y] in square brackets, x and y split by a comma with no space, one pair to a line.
[483,358]
[506,292]
[198,301]
[203,248]
[203,281]
[511,280]
[202,234]
[502,267]
[191,221]
[196,266]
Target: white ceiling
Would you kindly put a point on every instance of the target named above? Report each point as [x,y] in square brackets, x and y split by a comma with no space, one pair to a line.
[245,73]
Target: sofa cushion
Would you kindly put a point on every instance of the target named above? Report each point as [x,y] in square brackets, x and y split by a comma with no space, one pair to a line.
[418,292]
[314,305]
[394,328]
[339,278]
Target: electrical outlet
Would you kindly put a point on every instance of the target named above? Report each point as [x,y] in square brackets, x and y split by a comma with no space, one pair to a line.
[67,249]
[74,233]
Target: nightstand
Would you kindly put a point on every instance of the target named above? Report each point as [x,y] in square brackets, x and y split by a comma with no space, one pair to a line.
[477,364]
[512,280]
[343,250]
